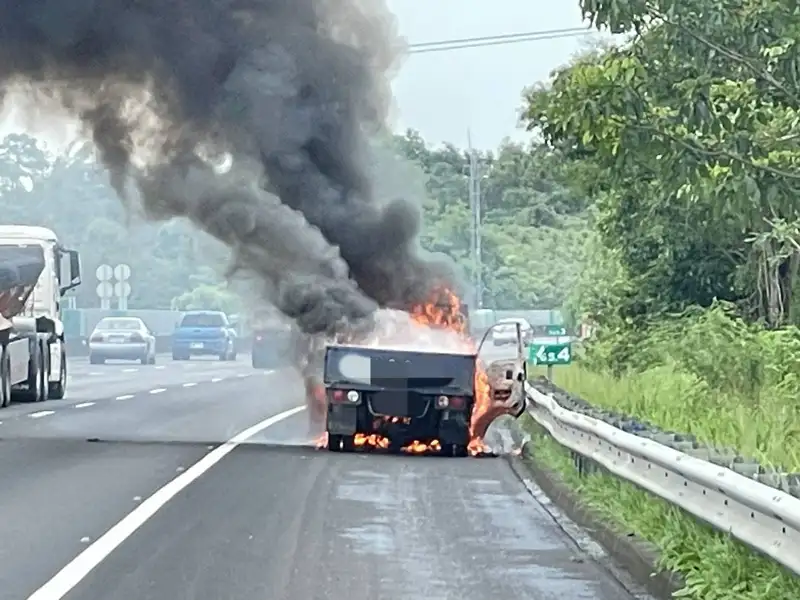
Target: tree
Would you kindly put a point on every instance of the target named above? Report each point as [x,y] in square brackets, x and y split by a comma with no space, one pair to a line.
[207,297]
[690,127]
[71,194]
[532,221]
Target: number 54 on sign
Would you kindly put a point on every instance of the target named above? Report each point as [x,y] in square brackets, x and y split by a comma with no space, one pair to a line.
[550,354]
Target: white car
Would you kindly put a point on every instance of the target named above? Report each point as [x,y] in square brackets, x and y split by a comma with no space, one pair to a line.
[124,338]
[505,331]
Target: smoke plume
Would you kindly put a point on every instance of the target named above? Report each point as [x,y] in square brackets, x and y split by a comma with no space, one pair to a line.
[292,90]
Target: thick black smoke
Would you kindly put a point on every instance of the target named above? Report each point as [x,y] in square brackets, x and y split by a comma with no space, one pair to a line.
[293,89]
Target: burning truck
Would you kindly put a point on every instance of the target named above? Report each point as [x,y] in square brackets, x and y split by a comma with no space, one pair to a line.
[415,384]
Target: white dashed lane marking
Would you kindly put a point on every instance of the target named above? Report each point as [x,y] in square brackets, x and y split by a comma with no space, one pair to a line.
[41,413]
[158,390]
[84,404]
[124,397]
[216,379]
[190,384]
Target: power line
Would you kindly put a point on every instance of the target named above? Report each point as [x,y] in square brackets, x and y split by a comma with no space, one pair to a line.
[497,43]
[496,40]
[504,36]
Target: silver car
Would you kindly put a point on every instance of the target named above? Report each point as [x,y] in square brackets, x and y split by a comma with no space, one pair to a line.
[124,338]
[505,332]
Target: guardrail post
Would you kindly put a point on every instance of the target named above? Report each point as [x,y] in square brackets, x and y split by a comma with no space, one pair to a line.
[583,465]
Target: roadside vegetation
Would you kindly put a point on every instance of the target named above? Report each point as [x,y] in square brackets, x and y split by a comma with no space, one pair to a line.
[528,214]
[686,141]
[712,566]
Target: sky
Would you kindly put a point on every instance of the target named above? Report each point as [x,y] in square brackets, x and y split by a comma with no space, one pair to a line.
[443,95]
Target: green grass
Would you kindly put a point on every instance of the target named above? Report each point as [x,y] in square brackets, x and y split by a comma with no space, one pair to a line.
[764,425]
[714,566]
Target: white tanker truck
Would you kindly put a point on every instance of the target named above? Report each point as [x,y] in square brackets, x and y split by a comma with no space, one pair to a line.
[35,272]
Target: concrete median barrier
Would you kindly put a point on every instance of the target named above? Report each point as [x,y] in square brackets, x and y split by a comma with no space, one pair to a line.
[80,347]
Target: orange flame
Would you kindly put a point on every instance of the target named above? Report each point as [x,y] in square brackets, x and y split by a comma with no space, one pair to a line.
[417,447]
[445,312]
[372,440]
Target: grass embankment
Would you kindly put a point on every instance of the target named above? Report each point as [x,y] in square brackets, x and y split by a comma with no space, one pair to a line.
[729,384]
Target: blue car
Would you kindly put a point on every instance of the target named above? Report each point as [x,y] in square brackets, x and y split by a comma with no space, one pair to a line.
[204,333]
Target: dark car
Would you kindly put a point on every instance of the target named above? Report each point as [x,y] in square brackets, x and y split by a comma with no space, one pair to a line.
[272,345]
[204,333]
[405,396]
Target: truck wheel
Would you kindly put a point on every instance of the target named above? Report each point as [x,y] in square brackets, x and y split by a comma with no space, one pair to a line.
[457,450]
[334,443]
[44,376]
[348,443]
[59,388]
[5,379]
[342,443]
[33,391]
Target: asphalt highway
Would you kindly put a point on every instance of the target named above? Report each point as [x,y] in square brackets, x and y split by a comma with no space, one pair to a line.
[199,480]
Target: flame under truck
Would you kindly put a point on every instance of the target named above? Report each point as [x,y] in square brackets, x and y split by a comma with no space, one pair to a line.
[35,273]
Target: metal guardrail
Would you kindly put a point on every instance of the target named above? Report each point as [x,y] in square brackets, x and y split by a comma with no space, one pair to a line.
[763,517]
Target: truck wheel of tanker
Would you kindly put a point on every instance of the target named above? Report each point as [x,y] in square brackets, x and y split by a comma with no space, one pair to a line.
[33,391]
[59,388]
[5,378]
[44,375]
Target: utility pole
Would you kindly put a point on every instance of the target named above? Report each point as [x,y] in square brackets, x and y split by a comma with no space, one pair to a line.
[475,229]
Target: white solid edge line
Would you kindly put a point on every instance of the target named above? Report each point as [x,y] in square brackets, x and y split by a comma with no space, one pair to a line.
[79,567]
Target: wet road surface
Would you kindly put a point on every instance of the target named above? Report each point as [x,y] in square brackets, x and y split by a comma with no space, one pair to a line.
[131,517]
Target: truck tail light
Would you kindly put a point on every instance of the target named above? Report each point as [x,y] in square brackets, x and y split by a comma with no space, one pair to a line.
[458,403]
[342,397]
[97,337]
[451,402]
[136,337]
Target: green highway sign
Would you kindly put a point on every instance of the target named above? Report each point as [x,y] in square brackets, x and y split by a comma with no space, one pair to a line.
[550,354]
[556,330]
